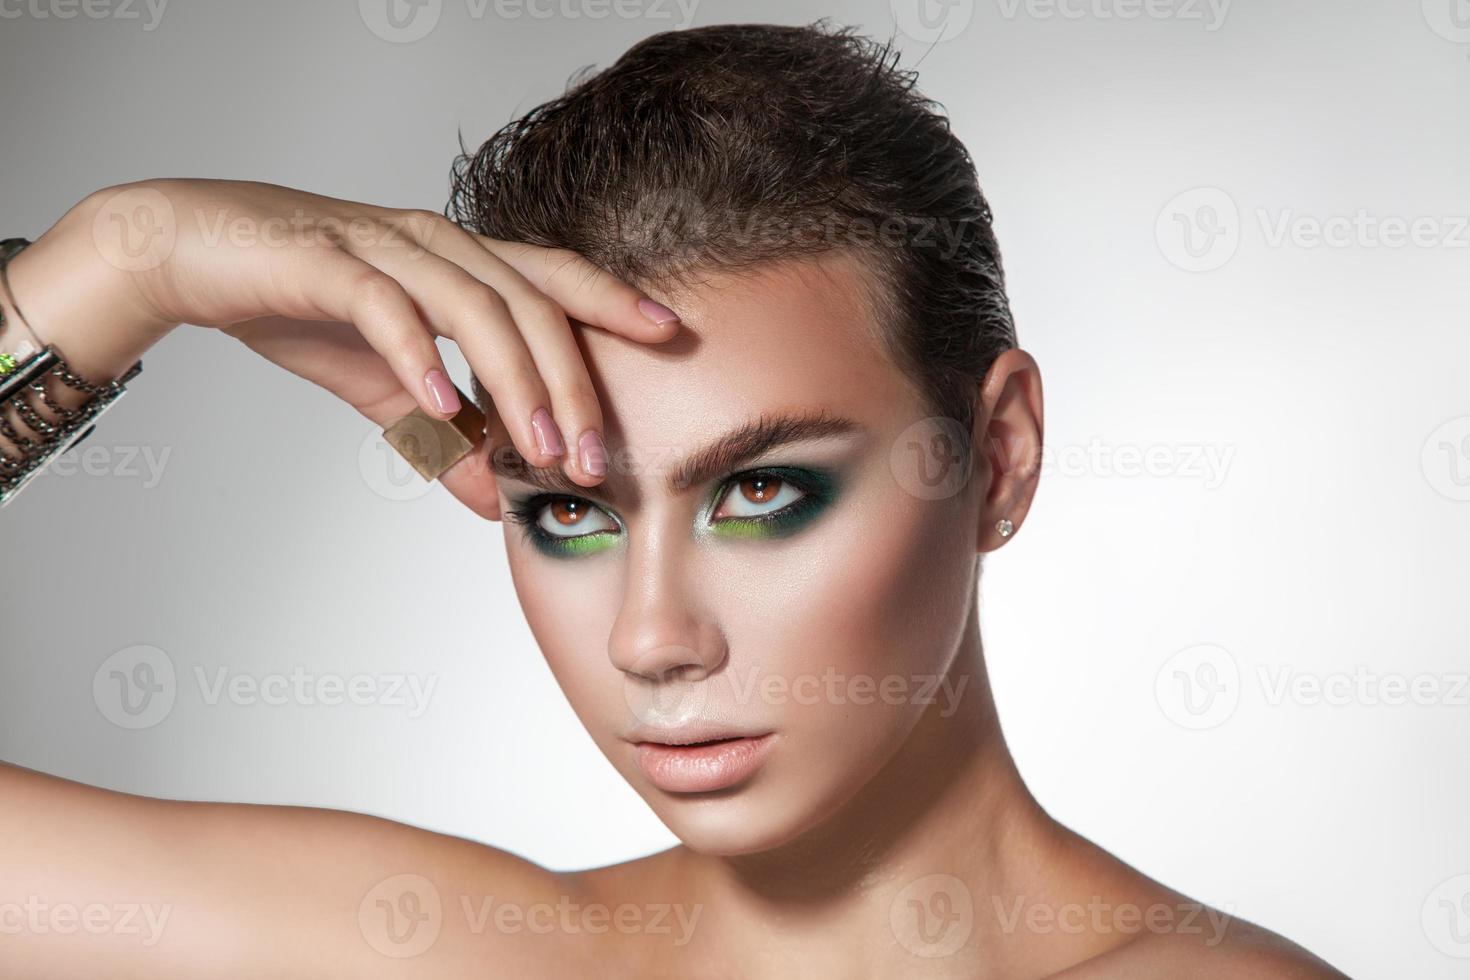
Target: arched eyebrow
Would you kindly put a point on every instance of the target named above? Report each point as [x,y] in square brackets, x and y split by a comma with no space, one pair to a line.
[716,458]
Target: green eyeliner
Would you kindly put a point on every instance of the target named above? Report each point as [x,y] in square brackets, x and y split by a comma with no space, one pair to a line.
[574,546]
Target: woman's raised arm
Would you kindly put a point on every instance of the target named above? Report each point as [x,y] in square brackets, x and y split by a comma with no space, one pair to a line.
[351,297]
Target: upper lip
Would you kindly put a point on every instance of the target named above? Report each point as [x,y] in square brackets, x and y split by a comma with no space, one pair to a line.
[692,732]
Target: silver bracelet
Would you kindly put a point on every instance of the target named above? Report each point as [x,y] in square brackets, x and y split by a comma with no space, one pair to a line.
[25,367]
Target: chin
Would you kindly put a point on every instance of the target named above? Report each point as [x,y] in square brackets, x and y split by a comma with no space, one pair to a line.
[771,810]
[728,827]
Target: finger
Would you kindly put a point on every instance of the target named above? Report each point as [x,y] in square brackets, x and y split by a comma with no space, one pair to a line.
[339,286]
[587,291]
[575,408]
[476,317]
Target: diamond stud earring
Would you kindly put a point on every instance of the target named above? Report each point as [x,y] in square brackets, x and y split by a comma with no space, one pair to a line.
[1004,526]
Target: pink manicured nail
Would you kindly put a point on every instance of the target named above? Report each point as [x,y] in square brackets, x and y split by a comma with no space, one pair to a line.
[548,436]
[657,312]
[441,392]
[594,453]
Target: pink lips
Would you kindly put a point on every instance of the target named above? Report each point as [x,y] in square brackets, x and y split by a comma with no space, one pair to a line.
[705,767]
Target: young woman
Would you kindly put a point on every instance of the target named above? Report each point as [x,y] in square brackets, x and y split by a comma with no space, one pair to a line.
[755,413]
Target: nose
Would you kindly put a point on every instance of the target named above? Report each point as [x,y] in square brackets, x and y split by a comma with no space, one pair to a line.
[662,633]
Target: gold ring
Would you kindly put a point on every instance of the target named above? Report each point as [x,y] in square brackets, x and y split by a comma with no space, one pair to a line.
[433,445]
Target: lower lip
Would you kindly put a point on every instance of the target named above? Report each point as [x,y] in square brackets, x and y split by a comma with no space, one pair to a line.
[702,768]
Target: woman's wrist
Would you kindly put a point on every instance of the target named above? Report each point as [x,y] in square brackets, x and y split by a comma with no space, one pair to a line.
[71,297]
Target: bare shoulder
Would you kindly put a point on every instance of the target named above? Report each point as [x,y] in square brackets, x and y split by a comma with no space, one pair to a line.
[1238,949]
[1165,933]
[378,894]
[282,891]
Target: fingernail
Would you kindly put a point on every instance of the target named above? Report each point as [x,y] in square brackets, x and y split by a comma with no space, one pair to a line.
[657,312]
[594,453]
[442,392]
[548,436]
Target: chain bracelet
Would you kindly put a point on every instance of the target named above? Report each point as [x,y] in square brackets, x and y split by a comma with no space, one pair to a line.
[25,370]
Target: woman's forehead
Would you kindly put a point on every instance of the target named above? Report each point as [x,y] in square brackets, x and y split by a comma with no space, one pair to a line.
[796,333]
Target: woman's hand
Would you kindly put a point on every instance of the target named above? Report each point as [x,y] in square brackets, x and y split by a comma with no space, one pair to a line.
[351,296]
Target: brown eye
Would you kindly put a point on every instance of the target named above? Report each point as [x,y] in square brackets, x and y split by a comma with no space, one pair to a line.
[761,488]
[558,517]
[758,495]
[566,511]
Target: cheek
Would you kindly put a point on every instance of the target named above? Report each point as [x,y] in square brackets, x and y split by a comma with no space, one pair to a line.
[570,607]
[878,598]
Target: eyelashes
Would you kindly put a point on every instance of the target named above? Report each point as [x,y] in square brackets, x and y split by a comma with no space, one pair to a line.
[802,495]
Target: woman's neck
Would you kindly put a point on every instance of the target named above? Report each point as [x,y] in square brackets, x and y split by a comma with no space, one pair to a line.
[950,802]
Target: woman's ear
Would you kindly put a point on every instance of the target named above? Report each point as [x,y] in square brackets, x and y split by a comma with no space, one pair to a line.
[1007,441]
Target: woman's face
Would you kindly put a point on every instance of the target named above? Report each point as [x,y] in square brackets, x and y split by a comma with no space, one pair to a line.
[813,593]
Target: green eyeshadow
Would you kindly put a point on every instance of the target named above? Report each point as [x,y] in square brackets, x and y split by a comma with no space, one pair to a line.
[819,491]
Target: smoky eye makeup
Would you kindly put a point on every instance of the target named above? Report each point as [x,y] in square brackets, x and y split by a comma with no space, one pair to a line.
[763,503]
[770,502]
[562,526]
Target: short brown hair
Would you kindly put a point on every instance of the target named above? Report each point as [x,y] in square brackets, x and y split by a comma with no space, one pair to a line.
[735,144]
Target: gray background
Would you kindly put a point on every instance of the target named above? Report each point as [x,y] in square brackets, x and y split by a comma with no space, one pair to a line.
[1326,379]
